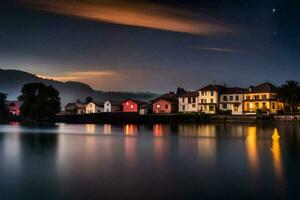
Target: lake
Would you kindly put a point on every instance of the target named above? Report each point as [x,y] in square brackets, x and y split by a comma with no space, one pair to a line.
[184,161]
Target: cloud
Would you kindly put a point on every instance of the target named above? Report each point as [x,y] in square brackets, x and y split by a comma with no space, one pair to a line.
[217,49]
[138,14]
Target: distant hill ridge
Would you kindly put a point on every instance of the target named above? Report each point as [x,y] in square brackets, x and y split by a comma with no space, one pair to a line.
[12,81]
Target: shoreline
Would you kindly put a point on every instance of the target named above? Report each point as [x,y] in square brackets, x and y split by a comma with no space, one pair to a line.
[135,118]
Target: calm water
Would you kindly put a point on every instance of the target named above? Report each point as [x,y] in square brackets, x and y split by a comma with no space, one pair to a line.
[150,162]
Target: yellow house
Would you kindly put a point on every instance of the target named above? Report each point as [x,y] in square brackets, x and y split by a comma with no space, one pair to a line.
[262,97]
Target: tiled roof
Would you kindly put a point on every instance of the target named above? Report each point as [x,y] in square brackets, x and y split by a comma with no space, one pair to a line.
[212,88]
[172,97]
[264,87]
[233,90]
[190,94]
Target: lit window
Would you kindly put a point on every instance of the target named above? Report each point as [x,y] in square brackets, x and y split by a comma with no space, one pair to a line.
[131,106]
[158,106]
[127,103]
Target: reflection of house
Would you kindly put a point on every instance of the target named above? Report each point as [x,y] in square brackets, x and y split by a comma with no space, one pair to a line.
[208,100]
[262,97]
[231,99]
[94,107]
[13,107]
[131,105]
[188,102]
[167,103]
[112,106]
[75,108]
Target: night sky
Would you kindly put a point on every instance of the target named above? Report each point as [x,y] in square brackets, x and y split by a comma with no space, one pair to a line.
[139,45]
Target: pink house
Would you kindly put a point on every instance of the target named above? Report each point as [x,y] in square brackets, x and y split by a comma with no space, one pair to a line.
[13,107]
[130,105]
[166,103]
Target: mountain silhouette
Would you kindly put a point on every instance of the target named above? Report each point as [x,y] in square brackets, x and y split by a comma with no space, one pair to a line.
[12,81]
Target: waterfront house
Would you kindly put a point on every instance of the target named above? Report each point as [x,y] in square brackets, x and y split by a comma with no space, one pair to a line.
[75,108]
[94,107]
[167,103]
[262,98]
[145,109]
[131,105]
[188,102]
[208,99]
[13,107]
[112,106]
[231,99]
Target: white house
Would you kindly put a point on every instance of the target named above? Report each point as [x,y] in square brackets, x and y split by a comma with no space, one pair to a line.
[94,107]
[232,100]
[208,99]
[112,106]
[188,102]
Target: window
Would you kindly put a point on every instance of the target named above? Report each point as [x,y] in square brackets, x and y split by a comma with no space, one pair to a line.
[211,101]
[194,100]
[256,105]
[237,98]
[273,105]
[131,106]
[189,100]
[231,98]
[166,106]
[264,96]
[183,108]
[224,106]
[247,97]
[211,108]
[212,93]
[256,97]
[235,108]
[202,100]
[225,98]
[194,106]
[157,106]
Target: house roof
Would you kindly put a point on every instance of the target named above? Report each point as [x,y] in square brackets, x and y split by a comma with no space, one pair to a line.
[171,97]
[145,106]
[212,88]
[264,87]
[233,90]
[76,104]
[139,102]
[190,94]
[115,102]
[98,103]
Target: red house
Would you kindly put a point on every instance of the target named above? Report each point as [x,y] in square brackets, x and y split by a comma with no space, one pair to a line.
[130,105]
[167,103]
[13,107]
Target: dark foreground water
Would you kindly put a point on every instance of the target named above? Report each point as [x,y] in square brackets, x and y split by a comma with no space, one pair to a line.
[150,162]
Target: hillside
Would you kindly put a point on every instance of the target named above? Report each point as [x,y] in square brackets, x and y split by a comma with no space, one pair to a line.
[11,82]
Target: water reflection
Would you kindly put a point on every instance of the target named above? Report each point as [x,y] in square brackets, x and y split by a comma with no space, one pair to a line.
[90,128]
[276,152]
[207,149]
[130,129]
[107,129]
[160,130]
[251,146]
[12,151]
[197,130]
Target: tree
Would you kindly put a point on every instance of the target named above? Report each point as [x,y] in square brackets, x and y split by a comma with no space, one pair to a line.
[289,93]
[180,91]
[2,103]
[88,99]
[40,102]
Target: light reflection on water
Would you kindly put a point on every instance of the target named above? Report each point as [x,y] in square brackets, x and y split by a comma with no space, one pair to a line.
[206,156]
